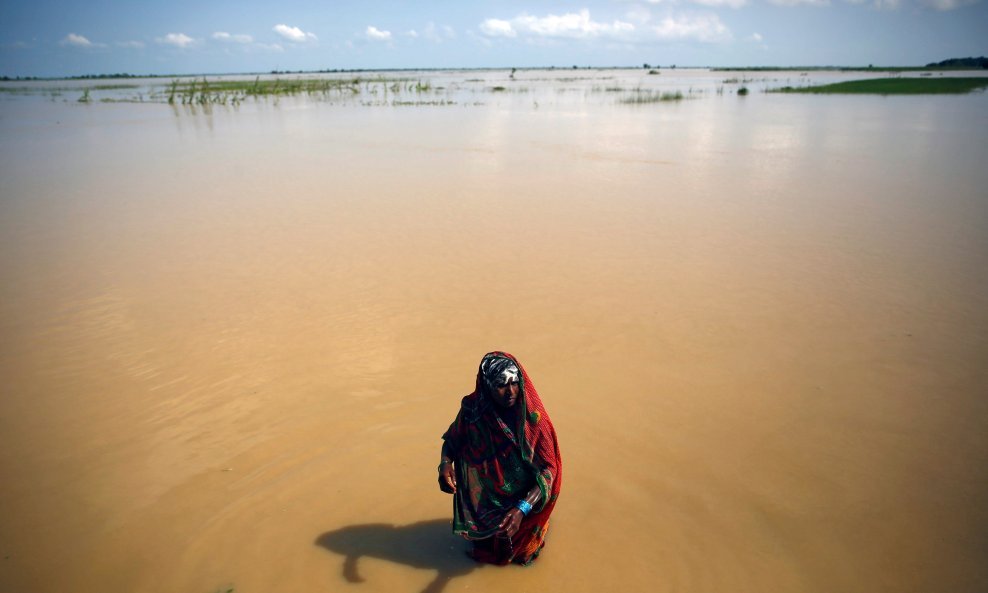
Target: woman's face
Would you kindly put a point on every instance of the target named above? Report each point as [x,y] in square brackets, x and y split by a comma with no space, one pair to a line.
[506,396]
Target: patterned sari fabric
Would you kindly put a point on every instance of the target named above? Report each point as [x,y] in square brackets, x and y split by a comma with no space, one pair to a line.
[499,458]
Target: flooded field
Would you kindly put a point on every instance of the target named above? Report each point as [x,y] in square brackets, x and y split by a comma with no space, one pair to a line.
[234,331]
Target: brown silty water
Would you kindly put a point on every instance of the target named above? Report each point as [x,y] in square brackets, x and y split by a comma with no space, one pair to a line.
[232,340]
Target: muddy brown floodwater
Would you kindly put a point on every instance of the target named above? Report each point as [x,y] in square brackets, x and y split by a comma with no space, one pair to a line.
[231,339]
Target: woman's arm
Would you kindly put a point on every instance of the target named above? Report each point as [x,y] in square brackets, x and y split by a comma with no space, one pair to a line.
[447,474]
[512,519]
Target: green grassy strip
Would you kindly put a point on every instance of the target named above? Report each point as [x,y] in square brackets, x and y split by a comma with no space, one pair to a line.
[280,86]
[893,86]
[847,69]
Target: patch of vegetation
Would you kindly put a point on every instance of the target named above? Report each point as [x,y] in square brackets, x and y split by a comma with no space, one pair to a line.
[646,97]
[439,103]
[953,64]
[981,62]
[743,91]
[894,86]
[113,87]
[223,92]
[22,90]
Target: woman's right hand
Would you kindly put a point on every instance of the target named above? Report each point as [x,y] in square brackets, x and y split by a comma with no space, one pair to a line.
[447,478]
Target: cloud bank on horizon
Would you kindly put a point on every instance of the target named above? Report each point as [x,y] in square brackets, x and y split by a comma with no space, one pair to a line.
[44,39]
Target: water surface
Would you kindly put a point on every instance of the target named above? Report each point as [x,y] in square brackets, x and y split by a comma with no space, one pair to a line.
[233,336]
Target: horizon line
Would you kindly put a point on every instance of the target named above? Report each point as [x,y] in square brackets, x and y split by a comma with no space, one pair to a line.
[644,66]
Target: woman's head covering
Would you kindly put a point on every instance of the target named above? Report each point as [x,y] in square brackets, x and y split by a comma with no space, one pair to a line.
[498,370]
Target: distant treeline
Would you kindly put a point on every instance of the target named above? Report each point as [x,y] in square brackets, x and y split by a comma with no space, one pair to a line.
[981,62]
[101,76]
[83,77]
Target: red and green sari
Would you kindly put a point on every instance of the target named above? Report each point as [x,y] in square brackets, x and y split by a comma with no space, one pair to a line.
[497,463]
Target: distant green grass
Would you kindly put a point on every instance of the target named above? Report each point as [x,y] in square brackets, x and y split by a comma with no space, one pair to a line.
[893,69]
[893,86]
[113,87]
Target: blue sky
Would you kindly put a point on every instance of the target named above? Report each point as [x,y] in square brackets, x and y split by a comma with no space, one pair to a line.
[62,37]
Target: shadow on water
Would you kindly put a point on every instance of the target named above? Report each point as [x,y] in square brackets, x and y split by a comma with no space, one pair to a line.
[427,545]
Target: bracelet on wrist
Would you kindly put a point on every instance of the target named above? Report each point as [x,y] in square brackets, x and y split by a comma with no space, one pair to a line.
[524,507]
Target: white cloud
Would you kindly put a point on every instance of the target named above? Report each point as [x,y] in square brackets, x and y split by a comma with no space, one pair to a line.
[800,2]
[574,25]
[941,5]
[375,34]
[412,33]
[270,47]
[76,41]
[131,44]
[948,4]
[497,28]
[721,3]
[710,3]
[294,33]
[756,37]
[236,38]
[177,39]
[700,27]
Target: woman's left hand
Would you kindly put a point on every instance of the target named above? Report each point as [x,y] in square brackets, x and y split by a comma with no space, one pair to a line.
[511,522]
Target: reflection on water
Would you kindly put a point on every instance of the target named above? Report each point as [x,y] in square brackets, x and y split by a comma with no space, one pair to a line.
[760,324]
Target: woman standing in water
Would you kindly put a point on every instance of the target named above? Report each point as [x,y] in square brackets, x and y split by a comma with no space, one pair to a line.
[501,463]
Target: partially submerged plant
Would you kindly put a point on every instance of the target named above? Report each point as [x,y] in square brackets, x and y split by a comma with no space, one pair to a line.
[642,97]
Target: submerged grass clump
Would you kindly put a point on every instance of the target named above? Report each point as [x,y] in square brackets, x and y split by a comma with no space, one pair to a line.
[645,97]
[894,86]
[223,92]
